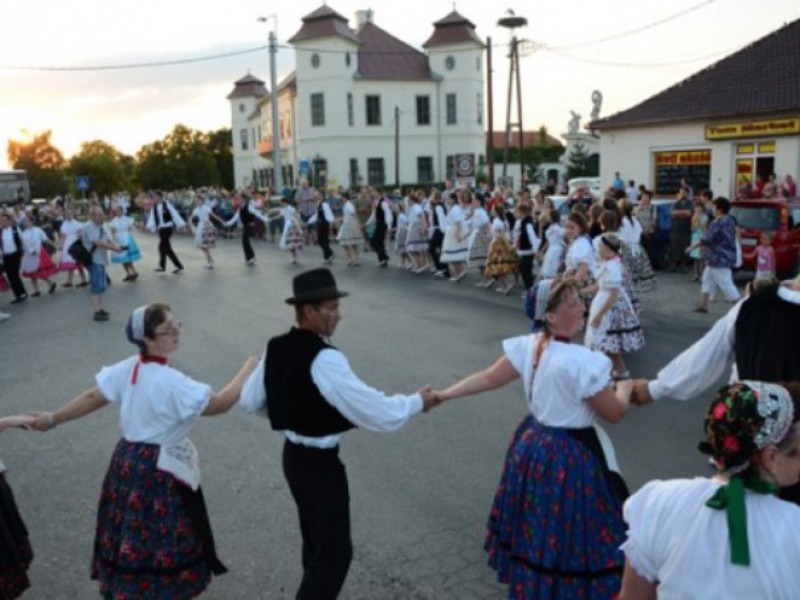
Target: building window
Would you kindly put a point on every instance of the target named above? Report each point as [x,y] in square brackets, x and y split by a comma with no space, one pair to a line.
[480,108]
[424,169]
[450,166]
[317,109]
[350,113]
[347,59]
[315,60]
[243,134]
[451,109]
[423,110]
[354,176]
[376,176]
[258,133]
[373,110]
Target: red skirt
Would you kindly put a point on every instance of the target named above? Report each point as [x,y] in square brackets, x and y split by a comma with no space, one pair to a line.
[44,269]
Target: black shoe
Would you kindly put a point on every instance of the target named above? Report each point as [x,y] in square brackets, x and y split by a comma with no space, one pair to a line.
[19,299]
[103,312]
[100,316]
[135,276]
[53,287]
[126,278]
[159,270]
[177,270]
[36,294]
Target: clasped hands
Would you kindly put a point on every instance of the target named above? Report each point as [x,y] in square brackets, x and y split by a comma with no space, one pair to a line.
[33,421]
[430,398]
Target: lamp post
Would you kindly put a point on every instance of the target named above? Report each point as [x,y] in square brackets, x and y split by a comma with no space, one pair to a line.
[277,172]
[511,22]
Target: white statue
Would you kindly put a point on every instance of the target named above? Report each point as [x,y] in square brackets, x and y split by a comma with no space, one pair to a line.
[597,102]
[574,122]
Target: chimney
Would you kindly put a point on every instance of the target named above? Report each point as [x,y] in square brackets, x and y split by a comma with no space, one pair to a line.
[363,17]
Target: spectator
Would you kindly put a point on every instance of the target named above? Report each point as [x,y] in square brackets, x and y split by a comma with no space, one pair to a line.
[788,188]
[632,193]
[680,234]
[97,240]
[619,182]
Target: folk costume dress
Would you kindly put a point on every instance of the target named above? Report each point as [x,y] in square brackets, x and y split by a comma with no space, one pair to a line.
[15,549]
[69,232]
[642,277]
[556,523]
[554,255]
[123,226]
[36,262]
[480,236]
[503,258]
[418,240]
[292,236]
[454,246]
[620,329]
[205,234]
[401,235]
[153,538]
[350,233]
[579,251]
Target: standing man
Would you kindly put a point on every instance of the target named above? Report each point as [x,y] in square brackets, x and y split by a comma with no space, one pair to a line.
[382,217]
[11,252]
[304,199]
[619,182]
[680,233]
[246,216]
[165,218]
[311,394]
[323,219]
[97,240]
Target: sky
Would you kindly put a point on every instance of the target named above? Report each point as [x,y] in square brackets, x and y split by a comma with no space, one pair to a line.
[652,46]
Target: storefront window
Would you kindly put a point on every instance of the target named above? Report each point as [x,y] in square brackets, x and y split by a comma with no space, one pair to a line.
[755,162]
[672,167]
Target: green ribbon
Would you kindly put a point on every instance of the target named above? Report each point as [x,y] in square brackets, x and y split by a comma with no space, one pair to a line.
[731,498]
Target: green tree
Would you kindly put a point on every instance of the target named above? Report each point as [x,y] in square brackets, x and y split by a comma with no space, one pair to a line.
[577,165]
[43,162]
[182,159]
[220,142]
[103,164]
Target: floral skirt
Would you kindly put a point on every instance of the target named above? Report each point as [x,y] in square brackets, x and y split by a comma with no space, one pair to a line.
[205,235]
[620,330]
[38,267]
[293,237]
[148,544]
[400,239]
[350,233]
[15,549]
[417,238]
[556,524]
[502,259]
[640,271]
[478,247]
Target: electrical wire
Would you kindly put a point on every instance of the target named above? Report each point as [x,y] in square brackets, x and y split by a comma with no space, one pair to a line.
[671,63]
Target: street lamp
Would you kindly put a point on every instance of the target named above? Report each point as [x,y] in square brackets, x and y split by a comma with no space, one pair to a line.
[277,172]
[511,22]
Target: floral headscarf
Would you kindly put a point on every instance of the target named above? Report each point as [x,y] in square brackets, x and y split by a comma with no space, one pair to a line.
[744,418]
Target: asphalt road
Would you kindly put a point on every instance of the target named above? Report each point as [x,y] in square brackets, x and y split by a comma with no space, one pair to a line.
[419,497]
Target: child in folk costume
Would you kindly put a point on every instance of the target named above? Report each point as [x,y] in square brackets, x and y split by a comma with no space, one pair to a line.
[454,245]
[153,538]
[480,235]
[502,260]
[67,235]
[121,227]
[417,243]
[350,235]
[205,233]
[614,326]
[15,548]
[36,262]
[293,231]
[401,236]
[527,243]
[553,234]
[643,280]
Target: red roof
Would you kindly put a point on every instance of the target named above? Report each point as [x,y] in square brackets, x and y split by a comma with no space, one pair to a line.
[247,87]
[451,30]
[382,56]
[322,23]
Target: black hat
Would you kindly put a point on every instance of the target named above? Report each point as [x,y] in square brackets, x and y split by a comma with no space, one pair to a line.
[314,285]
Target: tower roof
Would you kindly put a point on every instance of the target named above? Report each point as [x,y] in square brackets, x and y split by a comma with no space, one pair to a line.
[452,29]
[248,87]
[323,23]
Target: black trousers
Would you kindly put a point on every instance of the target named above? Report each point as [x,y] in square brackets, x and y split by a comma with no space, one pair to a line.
[11,265]
[435,250]
[318,482]
[526,270]
[378,241]
[165,249]
[247,231]
[324,239]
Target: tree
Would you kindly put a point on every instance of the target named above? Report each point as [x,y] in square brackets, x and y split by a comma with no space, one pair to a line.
[43,162]
[578,162]
[182,159]
[220,143]
[104,164]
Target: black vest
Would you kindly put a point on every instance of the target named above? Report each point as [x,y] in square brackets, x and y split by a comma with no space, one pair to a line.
[766,340]
[380,216]
[435,215]
[293,399]
[524,242]
[322,222]
[166,215]
[245,215]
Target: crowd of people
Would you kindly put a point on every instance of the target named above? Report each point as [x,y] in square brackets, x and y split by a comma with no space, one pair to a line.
[563,523]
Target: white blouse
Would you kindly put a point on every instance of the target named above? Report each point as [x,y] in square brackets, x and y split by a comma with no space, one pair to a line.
[32,239]
[160,408]
[675,539]
[581,251]
[498,228]
[349,210]
[567,375]
[609,276]
[122,227]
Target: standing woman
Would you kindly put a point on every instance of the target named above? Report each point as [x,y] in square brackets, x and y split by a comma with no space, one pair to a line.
[350,235]
[11,250]
[205,234]
[454,247]
[293,232]
[153,531]
[417,243]
[36,263]
[121,229]
[556,525]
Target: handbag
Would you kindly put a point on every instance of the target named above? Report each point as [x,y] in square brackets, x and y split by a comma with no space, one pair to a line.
[80,253]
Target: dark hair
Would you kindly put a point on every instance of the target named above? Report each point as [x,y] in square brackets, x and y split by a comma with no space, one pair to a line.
[707,194]
[154,315]
[580,221]
[609,220]
[723,204]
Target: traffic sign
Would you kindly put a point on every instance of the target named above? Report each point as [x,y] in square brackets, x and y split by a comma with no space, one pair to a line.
[82,182]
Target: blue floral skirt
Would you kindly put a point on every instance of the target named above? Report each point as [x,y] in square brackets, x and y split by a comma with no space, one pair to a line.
[15,550]
[556,524]
[148,544]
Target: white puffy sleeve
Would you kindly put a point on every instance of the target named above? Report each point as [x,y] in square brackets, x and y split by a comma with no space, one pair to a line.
[516,351]
[641,514]
[594,373]
[188,398]
[113,381]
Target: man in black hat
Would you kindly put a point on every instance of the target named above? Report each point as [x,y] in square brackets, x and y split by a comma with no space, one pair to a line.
[312,395]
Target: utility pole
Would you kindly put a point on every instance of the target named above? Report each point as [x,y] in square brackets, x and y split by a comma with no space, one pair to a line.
[397,146]
[277,171]
[489,113]
[511,22]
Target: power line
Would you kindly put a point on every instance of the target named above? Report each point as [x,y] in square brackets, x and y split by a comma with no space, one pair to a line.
[642,65]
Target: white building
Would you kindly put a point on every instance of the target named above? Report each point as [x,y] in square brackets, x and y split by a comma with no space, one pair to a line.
[363,107]
[723,128]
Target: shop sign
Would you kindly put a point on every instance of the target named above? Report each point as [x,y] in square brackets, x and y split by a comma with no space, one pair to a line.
[728,131]
[684,157]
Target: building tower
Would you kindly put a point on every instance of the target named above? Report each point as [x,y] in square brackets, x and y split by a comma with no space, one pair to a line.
[248,167]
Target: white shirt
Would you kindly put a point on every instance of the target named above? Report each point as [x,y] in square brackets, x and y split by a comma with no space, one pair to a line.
[122,229]
[498,227]
[675,539]
[7,243]
[630,232]
[329,218]
[479,218]
[32,239]
[580,251]
[163,405]
[691,372]
[236,219]
[359,403]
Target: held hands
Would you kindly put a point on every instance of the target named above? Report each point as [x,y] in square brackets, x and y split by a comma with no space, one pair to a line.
[430,399]
[39,421]
[641,393]
[20,421]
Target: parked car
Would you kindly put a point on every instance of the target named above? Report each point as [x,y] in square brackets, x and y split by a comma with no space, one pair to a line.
[779,217]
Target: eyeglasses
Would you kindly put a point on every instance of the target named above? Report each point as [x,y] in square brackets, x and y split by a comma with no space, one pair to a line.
[331,312]
[173,328]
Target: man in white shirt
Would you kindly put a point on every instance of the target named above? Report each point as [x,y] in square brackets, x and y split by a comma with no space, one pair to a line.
[309,392]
